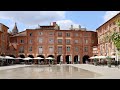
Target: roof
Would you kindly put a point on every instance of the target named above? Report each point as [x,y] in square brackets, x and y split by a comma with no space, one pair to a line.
[5,25]
[23,33]
[108,21]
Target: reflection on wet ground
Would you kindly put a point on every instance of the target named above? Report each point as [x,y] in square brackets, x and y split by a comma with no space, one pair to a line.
[46,72]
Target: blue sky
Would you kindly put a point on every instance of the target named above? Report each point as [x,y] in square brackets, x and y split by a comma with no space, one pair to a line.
[89,19]
[30,19]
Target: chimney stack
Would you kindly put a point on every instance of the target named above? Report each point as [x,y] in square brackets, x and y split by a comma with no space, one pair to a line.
[54,23]
[71,27]
[79,27]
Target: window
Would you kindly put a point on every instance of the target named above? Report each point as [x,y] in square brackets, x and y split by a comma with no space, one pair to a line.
[114,23]
[68,48]
[101,50]
[41,33]
[2,36]
[30,34]
[76,49]
[67,41]
[80,35]
[106,49]
[76,41]
[76,34]
[30,48]
[21,41]
[114,29]
[50,49]
[86,49]
[51,41]
[85,34]
[30,41]
[59,49]
[3,46]
[86,41]
[59,41]
[50,33]
[110,25]
[40,50]
[21,50]
[40,40]
[59,34]
[92,41]
[67,34]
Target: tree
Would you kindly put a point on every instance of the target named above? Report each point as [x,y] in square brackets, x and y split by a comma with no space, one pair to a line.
[116,39]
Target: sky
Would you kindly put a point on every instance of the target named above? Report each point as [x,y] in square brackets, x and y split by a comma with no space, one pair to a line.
[90,20]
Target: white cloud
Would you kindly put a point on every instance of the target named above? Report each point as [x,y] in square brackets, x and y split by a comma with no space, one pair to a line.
[109,14]
[33,17]
[66,24]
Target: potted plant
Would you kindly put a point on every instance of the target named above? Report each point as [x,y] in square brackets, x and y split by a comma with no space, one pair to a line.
[108,61]
[95,61]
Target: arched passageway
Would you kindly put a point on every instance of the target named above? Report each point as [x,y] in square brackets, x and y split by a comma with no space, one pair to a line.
[76,59]
[86,59]
[31,56]
[31,60]
[68,61]
[58,59]
[51,61]
[12,56]
[20,60]
[42,61]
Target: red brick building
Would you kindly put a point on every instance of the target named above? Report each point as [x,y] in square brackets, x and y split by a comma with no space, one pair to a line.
[68,46]
[106,47]
[3,39]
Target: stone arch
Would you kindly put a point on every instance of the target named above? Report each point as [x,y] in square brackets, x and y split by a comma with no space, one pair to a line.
[76,59]
[58,59]
[67,59]
[86,58]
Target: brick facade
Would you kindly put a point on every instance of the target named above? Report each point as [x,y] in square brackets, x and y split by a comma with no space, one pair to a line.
[104,47]
[66,45]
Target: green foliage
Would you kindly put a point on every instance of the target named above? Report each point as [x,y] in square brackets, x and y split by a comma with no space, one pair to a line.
[115,37]
[116,40]
[118,22]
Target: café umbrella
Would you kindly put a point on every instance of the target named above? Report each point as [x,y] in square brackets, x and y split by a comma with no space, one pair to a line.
[93,57]
[1,57]
[38,58]
[27,59]
[18,58]
[8,57]
[50,58]
[100,57]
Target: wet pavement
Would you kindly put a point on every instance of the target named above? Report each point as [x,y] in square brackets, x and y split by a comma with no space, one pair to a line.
[46,72]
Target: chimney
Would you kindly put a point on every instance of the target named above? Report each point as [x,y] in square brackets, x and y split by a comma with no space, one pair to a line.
[79,27]
[71,27]
[54,23]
